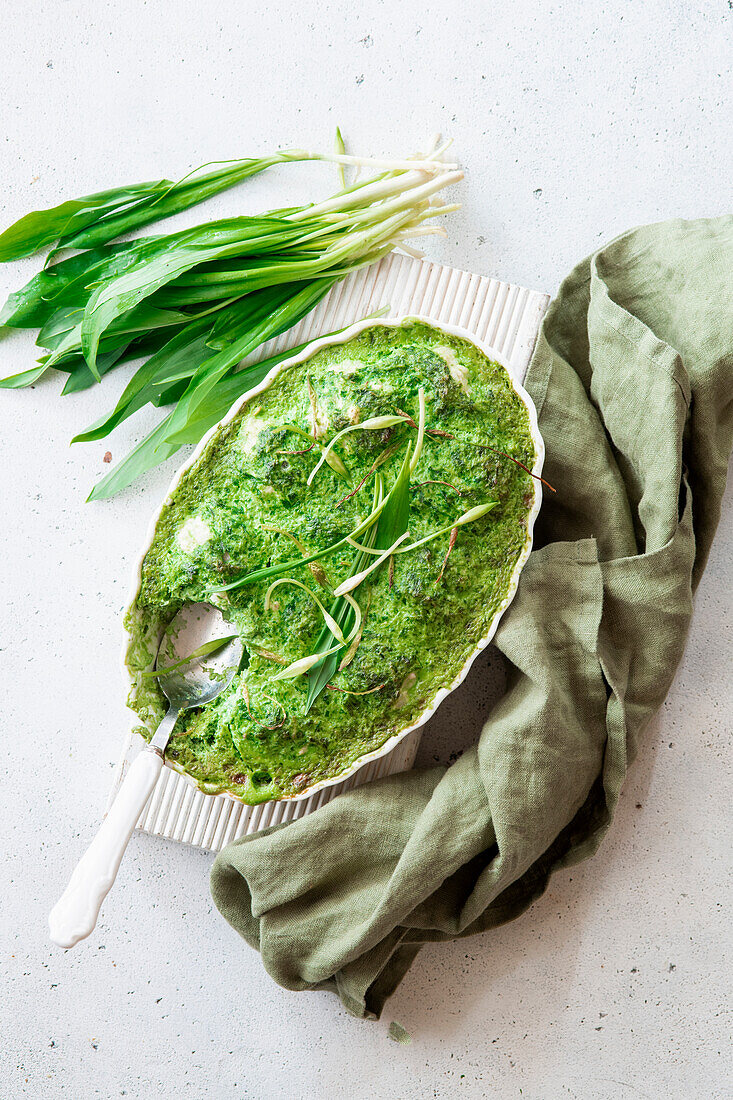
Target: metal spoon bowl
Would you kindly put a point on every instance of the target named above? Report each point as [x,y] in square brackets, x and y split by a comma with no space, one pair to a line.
[189,684]
[199,681]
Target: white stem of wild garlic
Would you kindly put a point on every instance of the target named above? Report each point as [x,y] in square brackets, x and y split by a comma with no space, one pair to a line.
[353,582]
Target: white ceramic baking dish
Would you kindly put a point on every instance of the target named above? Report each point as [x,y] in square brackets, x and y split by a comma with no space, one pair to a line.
[306,353]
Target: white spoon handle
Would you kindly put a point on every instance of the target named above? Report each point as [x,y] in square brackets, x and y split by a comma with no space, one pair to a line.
[75,914]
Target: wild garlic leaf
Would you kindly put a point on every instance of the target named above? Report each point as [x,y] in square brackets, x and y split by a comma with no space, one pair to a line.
[42,228]
[65,283]
[150,452]
[161,443]
[95,219]
[327,655]
[189,191]
[182,352]
[172,256]
[81,378]
[394,520]
[280,309]
[205,650]
[25,378]
[219,400]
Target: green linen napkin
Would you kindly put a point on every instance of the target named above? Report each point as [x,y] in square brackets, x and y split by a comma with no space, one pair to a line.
[633,382]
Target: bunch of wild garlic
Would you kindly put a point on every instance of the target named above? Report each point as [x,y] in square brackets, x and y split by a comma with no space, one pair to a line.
[195,303]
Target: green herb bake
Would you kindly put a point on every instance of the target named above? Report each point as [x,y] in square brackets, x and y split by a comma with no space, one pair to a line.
[358,523]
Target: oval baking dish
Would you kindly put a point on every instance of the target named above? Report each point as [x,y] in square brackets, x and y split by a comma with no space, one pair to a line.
[422,609]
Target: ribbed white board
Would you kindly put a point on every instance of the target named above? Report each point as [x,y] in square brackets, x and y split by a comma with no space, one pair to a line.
[506,317]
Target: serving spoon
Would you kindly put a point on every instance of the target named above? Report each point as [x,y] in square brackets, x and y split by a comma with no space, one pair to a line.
[185,683]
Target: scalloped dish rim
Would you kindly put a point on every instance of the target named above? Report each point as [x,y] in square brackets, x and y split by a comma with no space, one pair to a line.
[307,352]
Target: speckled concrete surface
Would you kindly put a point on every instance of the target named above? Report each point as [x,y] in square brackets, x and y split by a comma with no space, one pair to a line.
[572,123]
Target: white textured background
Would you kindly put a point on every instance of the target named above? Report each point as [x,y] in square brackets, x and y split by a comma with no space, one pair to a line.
[572,123]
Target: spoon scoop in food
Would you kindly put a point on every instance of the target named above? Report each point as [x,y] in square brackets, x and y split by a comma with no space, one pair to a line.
[196,661]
